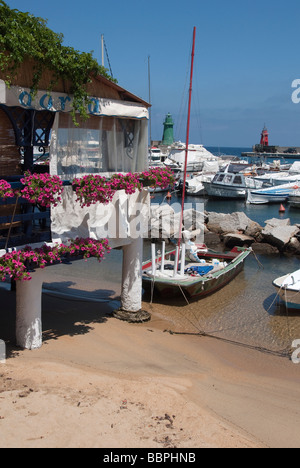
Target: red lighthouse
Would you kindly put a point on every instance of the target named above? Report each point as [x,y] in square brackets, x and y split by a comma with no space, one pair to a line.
[264,139]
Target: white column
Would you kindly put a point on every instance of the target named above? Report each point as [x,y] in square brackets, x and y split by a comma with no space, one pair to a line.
[29,312]
[131,296]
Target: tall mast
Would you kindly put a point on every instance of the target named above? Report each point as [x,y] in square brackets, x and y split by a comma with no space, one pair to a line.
[102,49]
[150,132]
[187,138]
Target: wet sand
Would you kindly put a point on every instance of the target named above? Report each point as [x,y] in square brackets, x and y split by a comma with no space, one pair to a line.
[100,382]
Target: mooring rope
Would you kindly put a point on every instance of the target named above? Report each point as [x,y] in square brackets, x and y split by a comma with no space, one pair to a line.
[282,353]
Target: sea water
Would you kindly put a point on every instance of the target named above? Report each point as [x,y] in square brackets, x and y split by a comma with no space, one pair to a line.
[245,311]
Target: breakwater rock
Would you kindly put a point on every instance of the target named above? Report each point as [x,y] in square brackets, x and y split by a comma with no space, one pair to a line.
[224,231]
[236,229]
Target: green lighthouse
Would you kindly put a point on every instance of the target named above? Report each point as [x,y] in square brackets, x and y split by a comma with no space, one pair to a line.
[168,136]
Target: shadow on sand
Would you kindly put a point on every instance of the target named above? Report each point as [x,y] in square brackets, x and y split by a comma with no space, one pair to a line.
[65,311]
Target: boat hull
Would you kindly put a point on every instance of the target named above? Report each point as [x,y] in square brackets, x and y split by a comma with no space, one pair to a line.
[199,287]
[223,191]
[289,296]
[294,201]
[276,194]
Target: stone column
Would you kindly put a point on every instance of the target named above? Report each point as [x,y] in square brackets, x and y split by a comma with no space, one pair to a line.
[131,295]
[29,311]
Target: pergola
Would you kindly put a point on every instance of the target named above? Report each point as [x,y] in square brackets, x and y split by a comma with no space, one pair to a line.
[113,140]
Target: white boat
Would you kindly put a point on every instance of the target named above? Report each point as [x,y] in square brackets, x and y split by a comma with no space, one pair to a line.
[194,183]
[288,288]
[229,184]
[275,194]
[156,157]
[197,155]
[294,198]
[195,186]
[281,177]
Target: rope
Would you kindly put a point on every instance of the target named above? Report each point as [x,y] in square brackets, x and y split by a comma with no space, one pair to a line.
[183,294]
[282,353]
[256,258]
[108,58]
[11,222]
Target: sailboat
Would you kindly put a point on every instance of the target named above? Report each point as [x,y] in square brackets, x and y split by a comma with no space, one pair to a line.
[204,272]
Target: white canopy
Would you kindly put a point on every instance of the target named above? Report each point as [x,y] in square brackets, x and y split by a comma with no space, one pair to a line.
[61,102]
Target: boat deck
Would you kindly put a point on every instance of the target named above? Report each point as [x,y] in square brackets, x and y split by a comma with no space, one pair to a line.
[205,268]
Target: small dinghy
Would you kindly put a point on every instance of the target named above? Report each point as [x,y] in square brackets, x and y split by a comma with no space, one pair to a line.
[175,272]
[288,288]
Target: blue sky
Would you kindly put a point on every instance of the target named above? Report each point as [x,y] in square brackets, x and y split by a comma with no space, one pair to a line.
[246,58]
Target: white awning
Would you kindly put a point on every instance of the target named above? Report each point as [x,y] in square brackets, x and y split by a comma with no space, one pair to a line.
[61,102]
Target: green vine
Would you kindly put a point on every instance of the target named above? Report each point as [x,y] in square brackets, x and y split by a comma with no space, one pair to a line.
[24,36]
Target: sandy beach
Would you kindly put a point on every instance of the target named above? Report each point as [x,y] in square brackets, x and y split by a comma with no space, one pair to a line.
[100,382]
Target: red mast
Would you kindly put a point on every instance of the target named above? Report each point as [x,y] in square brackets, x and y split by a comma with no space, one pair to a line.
[264,139]
[187,137]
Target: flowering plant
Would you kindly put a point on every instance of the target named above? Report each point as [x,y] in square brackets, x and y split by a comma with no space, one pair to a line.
[91,189]
[5,190]
[46,190]
[129,182]
[43,189]
[18,264]
[158,176]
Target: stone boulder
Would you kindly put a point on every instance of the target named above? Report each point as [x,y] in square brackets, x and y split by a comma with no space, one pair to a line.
[276,222]
[164,222]
[213,241]
[234,239]
[279,232]
[161,223]
[262,248]
[235,222]
[293,246]
[253,229]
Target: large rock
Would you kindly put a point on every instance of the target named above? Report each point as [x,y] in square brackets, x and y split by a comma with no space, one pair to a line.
[276,222]
[214,221]
[235,222]
[192,219]
[264,249]
[234,239]
[253,229]
[293,246]
[164,222]
[161,223]
[280,235]
[213,241]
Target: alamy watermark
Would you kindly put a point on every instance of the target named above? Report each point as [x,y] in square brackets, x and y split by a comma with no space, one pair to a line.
[163,222]
[2,352]
[296,354]
[296,93]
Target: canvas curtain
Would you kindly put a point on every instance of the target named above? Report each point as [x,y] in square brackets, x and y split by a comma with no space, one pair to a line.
[98,145]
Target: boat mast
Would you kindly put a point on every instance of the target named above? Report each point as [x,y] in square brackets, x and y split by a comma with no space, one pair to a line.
[149,85]
[187,138]
[102,50]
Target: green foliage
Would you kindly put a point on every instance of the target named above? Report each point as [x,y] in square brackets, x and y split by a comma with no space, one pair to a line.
[24,36]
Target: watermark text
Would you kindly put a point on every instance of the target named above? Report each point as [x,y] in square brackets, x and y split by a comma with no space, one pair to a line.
[296,354]
[2,352]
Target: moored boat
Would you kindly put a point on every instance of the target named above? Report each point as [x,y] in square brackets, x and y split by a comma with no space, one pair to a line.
[276,194]
[204,272]
[294,198]
[230,185]
[197,155]
[196,280]
[288,288]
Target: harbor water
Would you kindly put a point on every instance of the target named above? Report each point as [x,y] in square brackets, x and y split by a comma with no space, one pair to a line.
[247,311]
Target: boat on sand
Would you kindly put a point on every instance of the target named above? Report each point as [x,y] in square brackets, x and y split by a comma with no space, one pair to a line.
[209,272]
[191,269]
